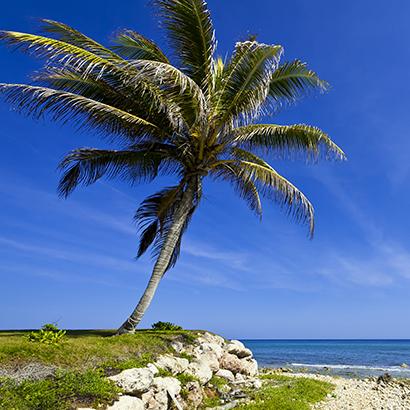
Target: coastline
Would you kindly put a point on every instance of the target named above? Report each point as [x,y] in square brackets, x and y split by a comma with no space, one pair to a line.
[369,393]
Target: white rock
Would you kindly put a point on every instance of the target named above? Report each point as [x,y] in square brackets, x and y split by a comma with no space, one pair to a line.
[134,381]
[209,347]
[210,338]
[177,346]
[175,365]
[153,368]
[237,343]
[201,370]
[168,384]
[239,377]
[127,403]
[251,367]
[195,395]
[156,401]
[238,349]
[209,357]
[226,374]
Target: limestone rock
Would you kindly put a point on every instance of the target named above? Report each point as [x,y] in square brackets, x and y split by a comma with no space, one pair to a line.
[238,349]
[127,403]
[155,401]
[231,362]
[153,368]
[208,347]
[201,370]
[175,365]
[194,396]
[177,346]
[168,384]
[134,381]
[210,338]
[250,367]
[226,374]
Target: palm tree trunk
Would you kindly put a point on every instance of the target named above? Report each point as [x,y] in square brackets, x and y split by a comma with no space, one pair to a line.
[161,264]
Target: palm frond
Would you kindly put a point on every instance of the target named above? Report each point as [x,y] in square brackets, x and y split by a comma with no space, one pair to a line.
[56,51]
[107,90]
[84,112]
[179,87]
[69,35]
[292,80]
[245,83]
[190,29]
[134,46]
[274,186]
[153,214]
[242,185]
[85,166]
[287,140]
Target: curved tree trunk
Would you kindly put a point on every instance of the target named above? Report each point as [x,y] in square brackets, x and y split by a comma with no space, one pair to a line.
[180,216]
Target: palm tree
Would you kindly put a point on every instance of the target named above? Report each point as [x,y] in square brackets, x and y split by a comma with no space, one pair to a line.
[195,119]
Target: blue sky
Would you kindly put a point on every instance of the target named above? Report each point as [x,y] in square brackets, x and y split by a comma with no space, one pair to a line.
[71,261]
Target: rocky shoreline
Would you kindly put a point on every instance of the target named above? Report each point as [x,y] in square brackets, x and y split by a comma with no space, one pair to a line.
[382,393]
[160,385]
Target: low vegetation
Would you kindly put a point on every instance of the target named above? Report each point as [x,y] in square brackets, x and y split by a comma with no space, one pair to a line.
[90,349]
[166,326]
[288,393]
[66,390]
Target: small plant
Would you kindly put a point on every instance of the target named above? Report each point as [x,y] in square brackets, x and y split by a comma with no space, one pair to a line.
[49,334]
[185,378]
[185,355]
[218,382]
[164,373]
[165,326]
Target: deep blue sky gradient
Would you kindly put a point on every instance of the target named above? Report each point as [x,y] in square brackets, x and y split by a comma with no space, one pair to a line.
[72,261]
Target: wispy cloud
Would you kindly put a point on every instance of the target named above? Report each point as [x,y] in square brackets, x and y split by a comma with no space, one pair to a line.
[73,255]
[237,260]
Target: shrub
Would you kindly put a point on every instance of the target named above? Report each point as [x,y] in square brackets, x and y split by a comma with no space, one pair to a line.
[48,334]
[165,326]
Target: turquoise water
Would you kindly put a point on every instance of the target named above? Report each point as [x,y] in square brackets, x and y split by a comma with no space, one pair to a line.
[344,357]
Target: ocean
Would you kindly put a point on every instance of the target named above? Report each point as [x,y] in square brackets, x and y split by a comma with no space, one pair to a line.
[354,358]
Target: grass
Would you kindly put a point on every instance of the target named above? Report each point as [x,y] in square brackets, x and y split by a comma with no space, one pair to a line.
[66,391]
[288,393]
[89,349]
[82,358]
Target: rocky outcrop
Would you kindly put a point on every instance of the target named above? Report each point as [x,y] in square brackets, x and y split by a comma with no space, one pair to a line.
[134,381]
[175,365]
[210,355]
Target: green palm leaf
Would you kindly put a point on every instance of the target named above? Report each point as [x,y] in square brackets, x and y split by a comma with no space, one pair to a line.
[274,186]
[242,185]
[288,140]
[85,112]
[69,35]
[292,80]
[245,82]
[190,30]
[134,46]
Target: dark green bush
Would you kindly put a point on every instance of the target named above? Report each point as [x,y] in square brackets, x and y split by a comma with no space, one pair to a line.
[165,326]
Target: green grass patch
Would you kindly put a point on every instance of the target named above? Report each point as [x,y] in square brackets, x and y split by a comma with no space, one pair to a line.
[288,393]
[185,378]
[66,391]
[89,349]
[218,382]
